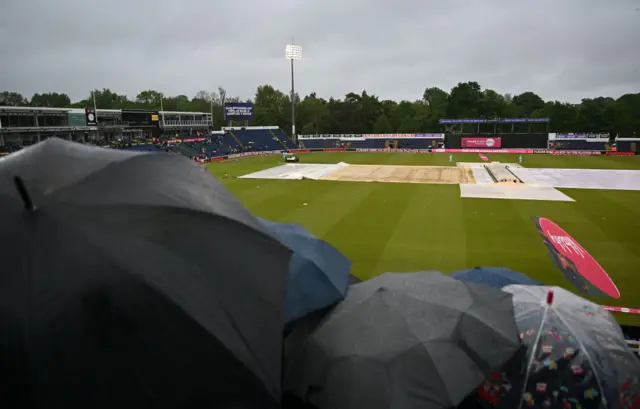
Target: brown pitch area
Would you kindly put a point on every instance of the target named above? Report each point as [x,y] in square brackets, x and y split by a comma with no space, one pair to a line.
[403,174]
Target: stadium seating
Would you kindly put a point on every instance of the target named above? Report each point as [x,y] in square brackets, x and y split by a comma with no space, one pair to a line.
[262,139]
[368,144]
[285,139]
[145,148]
[321,143]
[581,145]
[628,146]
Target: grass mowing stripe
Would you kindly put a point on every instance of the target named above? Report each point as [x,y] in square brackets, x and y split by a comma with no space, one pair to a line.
[365,229]
[428,229]
[329,208]
[499,233]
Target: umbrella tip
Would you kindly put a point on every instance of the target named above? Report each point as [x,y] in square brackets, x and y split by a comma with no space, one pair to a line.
[24,194]
[550,297]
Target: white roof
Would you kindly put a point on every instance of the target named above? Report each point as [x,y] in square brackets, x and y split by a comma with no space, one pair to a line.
[33,109]
[79,110]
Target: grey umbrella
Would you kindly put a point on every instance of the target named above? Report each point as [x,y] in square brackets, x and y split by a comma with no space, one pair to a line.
[404,341]
[133,279]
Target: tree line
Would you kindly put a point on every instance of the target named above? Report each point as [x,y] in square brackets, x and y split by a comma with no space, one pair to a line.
[367,113]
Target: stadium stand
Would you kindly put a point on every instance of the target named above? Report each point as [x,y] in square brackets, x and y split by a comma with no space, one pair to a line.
[321,143]
[260,138]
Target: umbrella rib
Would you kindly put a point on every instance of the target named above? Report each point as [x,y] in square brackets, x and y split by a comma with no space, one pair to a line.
[532,355]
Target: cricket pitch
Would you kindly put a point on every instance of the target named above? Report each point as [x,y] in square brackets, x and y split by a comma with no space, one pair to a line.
[403,174]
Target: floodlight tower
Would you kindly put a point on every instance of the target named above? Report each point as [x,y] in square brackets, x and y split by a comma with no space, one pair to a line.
[292,53]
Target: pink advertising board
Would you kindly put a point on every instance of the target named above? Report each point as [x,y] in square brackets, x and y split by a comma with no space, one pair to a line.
[574,261]
[481,142]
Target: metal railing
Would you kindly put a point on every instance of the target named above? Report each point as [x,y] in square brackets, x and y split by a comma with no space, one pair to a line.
[634,345]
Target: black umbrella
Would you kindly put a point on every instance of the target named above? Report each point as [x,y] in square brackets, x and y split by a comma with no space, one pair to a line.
[133,279]
[418,340]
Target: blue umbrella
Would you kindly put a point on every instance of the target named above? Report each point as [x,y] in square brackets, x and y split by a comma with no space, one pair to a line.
[318,273]
[493,276]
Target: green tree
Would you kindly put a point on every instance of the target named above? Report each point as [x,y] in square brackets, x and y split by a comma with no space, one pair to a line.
[528,102]
[465,100]
[50,99]
[382,125]
[150,98]
[313,114]
[270,106]
[12,99]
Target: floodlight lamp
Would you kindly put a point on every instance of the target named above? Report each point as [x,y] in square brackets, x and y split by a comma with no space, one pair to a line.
[293,52]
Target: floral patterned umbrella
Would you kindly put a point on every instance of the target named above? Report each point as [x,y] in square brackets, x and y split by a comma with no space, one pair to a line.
[575,357]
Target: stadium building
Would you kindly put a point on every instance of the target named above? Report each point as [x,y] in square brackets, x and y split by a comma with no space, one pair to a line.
[20,126]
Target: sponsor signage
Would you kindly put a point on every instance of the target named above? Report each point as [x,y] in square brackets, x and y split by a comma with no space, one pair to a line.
[172,141]
[394,150]
[239,155]
[481,142]
[494,120]
[441,150]
[90,117]
[576,153]
[581,135]
[625,310]
[402,135]
[574,261]
[375,136]
[238,111]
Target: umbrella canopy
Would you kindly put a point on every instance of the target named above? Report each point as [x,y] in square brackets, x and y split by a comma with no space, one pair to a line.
[576,356]
[299,330]
[493,276]
[318,273]
[353,279]
[133,279]
[413,340]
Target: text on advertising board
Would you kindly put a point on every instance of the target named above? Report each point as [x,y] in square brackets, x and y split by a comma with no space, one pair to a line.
[481,142]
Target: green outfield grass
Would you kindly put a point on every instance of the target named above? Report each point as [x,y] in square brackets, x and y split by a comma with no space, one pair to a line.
[398,227]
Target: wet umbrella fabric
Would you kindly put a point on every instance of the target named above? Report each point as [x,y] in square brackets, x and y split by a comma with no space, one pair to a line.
[413,340]
[318,272]
[299,330]
[576,356]
[353,279]
[138,281]
[497,277]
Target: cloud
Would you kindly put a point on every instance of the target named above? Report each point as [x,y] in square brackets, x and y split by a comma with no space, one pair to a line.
[562,50]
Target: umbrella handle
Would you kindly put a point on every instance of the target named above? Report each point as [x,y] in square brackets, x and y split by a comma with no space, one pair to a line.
[550,297]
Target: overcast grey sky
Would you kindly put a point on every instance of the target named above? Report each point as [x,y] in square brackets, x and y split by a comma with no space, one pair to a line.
[561,49]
